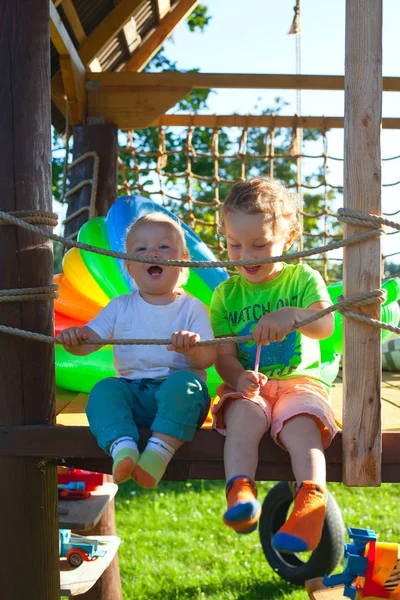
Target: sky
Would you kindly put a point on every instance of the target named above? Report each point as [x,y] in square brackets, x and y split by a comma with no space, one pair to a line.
[255,39]
[252,37]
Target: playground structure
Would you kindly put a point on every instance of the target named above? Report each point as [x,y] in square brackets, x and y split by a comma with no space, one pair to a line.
[99,104]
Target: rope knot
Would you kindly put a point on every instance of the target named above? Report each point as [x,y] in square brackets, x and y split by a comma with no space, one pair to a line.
[361,299]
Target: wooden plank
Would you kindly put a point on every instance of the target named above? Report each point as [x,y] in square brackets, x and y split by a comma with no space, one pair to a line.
[74,20]
[74,412]
[163,7]
[133,108]
[85,514]
[81,579]
[63,399]
[170,19]
[317,591]
[29,502]
[362,262]
[72,68]
[202,459]
[230,80]
[58,94]
[107,30]
[293,121]
[108,586]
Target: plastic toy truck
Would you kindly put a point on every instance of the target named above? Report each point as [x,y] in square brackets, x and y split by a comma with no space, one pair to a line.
[372,569]
[78,549]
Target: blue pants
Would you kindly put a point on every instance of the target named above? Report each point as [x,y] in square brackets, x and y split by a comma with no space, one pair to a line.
[175,406]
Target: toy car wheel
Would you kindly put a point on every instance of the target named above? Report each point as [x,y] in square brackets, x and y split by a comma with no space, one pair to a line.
[75,559]
[297,568]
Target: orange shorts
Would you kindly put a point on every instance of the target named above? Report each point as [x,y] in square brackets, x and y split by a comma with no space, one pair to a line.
[280,400]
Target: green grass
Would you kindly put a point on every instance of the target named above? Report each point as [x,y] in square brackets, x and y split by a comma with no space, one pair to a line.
[175,546]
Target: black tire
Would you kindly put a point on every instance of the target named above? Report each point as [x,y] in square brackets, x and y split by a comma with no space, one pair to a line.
[75,559]
[292,567]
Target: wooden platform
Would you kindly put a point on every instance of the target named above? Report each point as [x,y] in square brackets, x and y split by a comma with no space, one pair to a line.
[83,515]
[317,591]
[71,405]
[81,579]
[72,441]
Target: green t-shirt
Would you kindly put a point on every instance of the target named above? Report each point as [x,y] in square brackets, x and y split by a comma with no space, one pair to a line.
[237,305]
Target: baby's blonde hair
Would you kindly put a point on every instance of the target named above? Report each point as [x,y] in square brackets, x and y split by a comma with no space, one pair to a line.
[262,195]
[160,217]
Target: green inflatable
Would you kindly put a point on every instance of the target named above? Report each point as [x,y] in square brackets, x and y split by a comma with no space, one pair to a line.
[80,373]
[390,314]
[104,269]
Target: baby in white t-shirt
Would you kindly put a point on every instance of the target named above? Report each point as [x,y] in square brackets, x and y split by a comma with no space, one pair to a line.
[159,387]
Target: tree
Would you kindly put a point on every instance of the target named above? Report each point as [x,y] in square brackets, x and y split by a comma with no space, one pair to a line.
[229,169]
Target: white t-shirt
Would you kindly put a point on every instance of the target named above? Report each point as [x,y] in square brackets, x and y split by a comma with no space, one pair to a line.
[129,316]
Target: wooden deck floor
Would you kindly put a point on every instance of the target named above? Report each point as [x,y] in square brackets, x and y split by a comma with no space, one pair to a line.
[71,405]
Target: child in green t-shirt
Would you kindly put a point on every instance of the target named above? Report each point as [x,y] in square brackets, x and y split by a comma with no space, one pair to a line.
[287,394]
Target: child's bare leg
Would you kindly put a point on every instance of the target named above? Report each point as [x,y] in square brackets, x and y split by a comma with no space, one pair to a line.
[302,531]
[245,425]
[302,438]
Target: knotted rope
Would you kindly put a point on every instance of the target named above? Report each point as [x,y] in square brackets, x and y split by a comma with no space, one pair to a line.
[49,292]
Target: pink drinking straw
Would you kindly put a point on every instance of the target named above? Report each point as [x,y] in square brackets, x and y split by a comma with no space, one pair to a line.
[257,363]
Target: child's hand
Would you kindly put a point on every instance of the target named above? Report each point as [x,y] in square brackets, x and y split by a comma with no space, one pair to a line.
[249,383]
[72,337]
[183,341]
[274,326]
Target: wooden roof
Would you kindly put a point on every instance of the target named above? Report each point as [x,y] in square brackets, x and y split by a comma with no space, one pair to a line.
[105,35]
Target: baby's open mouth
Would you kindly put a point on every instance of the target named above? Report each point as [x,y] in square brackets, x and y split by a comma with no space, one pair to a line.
[252,270]
[155,271]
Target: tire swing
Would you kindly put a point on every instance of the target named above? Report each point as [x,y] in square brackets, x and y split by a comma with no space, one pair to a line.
[292,567]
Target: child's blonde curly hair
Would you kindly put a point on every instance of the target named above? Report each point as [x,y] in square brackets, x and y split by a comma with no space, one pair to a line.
[262,195]
[160,217]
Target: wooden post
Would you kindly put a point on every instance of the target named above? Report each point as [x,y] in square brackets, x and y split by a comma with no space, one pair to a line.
[29,564]
[362,262]
[102,139]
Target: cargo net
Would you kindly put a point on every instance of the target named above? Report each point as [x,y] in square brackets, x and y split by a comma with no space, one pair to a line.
[190,170]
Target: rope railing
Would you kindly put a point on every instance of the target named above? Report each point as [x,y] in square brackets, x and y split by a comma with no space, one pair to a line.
[358,218]
[355,300]
[344,215]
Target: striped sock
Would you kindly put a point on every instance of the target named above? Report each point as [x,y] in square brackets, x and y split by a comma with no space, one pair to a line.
[153,462]
[125,454]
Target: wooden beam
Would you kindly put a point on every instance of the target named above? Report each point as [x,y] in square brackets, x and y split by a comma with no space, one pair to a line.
[107,30]
[169,20]
[362,262]
[72,68]
[133,108]
[201,459]
[58,93]
[74,20]
[102,139]
[230,80]
[291,121]
[163,7]
[29,558]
